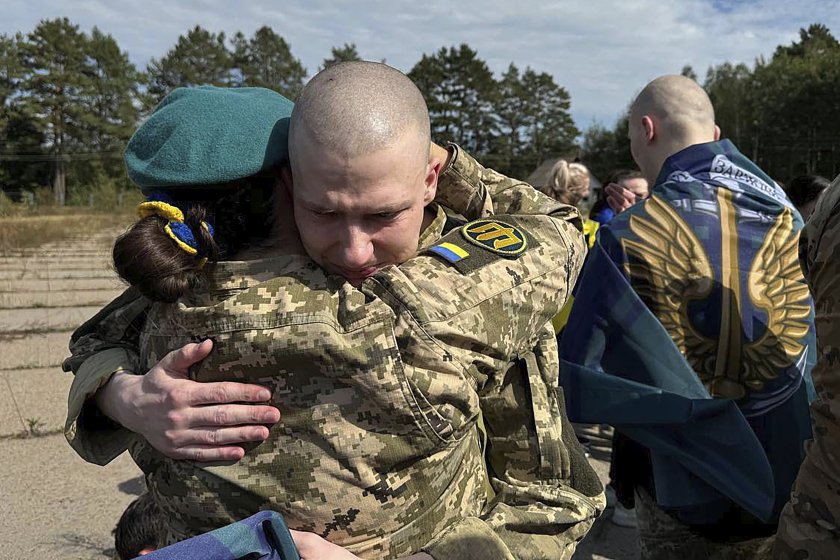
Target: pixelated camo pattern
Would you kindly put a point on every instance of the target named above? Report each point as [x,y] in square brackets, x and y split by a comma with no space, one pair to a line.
[809,527]
[381,390]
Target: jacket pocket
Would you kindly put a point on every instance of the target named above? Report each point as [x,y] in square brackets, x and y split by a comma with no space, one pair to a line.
[554,455]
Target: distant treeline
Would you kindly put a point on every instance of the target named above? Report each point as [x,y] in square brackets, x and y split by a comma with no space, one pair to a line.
[782,113]
[69,101]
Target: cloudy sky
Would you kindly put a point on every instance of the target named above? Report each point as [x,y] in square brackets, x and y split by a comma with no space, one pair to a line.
[601,51]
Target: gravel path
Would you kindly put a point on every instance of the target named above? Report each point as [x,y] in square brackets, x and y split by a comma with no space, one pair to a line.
[53,505]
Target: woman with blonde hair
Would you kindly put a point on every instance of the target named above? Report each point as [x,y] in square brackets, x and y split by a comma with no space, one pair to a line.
[568,182]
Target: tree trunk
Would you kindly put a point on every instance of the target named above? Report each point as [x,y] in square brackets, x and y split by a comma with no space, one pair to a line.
[59,181]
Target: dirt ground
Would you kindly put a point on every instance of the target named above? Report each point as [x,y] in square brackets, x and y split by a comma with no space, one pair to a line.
[53,505]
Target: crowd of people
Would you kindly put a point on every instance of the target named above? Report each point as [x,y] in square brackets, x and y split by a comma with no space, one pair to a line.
[334,318]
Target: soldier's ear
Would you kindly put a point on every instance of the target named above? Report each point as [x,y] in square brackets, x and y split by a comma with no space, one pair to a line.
[717,133]
[431,180]
[649,127]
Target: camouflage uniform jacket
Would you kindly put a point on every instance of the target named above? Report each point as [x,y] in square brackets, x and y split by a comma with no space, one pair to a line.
[809,526]
[384,390]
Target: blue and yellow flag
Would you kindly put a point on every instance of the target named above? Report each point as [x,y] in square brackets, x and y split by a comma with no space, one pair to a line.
[692,332]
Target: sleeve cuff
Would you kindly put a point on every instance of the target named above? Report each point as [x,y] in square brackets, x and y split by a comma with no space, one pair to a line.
[460,187]
[94,436]
[470,538]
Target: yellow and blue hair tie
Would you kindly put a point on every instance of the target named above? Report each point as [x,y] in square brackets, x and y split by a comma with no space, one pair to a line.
[159,204]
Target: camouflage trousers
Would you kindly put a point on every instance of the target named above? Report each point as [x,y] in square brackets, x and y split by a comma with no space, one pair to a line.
[809,527]
[661,537]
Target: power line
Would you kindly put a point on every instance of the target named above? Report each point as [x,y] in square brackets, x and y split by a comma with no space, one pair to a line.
[80,156]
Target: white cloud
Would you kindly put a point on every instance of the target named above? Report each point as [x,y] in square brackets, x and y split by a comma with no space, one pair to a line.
[602,51]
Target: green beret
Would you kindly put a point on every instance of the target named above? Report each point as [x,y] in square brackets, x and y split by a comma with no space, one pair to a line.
[209,135]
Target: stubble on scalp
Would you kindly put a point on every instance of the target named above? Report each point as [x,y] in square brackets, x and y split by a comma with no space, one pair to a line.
[356,108]
[680,105]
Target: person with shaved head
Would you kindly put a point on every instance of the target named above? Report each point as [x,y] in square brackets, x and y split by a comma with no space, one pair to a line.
[692,333]
[362,169]
[385,375]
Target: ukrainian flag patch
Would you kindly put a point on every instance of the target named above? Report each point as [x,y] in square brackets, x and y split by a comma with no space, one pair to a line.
[450,252]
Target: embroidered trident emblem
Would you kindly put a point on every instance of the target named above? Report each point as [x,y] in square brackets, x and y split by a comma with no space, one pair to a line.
[496,236]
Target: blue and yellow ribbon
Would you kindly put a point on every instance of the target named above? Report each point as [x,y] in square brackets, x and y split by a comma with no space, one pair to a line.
[159,204]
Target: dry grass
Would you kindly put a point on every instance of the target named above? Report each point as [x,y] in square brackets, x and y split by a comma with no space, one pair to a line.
[20,232]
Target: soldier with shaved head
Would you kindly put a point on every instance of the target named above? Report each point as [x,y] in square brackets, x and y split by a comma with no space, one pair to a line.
[362,168]
[692,333]
[406,350]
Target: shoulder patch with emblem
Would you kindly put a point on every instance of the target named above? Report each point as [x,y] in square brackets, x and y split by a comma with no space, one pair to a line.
[496,236]
[481,242]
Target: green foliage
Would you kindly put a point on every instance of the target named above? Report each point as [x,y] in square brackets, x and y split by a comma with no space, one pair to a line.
[347,53]
[34,427]
[460,91]
[782,112]
[9,207]
[55,80]
[202,58]
[103,192]
[70,100]
[551,129]
[605,150]
[511,124]
[198,58]
[689,72]
[69,104]
[11,69]
[266,61]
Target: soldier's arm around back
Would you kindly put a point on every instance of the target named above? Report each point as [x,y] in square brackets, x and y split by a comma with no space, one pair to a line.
[108,342]
[475,191]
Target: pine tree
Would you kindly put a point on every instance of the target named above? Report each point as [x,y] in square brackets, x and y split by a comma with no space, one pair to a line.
[606,150]
[798,117]
[460,92]
[20,137]
[689,72]
[511,97]
[728,87]
[11,70]
[266,61]
[551,130]
[111,105]
[198,58]
[347,53]
[56,71]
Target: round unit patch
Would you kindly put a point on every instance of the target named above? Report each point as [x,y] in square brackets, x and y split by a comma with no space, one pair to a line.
[498,237]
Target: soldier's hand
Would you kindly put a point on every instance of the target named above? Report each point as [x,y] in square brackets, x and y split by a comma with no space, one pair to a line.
[441,154]
[619,198]
[186,419]
[313,547]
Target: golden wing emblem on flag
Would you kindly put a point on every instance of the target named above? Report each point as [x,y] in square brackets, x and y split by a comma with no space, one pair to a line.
[777,287]
[670,268]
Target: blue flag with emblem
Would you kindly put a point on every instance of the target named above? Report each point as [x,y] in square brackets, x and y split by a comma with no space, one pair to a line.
[263,536]
[692,333]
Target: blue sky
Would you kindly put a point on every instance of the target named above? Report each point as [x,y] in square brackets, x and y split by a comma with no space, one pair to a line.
[601,51]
